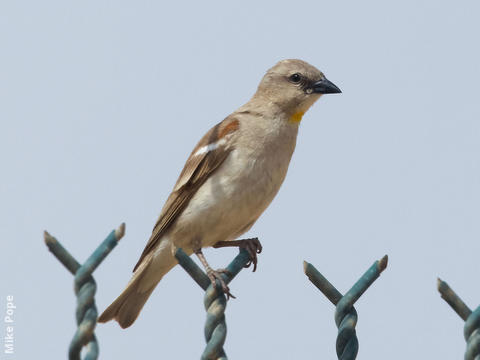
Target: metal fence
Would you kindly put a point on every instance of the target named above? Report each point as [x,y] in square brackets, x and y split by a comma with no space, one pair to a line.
[345,313]
[471,330]
[85,288]
[215,301]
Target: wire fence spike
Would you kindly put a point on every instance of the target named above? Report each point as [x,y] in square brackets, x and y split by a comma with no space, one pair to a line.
[215,301]
[471,330]
[85,288]
[345,314]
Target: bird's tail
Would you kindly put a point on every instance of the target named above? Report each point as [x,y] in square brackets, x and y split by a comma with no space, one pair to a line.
[126,308]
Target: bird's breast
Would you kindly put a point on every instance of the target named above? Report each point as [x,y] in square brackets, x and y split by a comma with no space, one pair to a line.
[237,193]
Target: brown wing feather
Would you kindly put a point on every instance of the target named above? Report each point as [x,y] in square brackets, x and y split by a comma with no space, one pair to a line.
[196,171]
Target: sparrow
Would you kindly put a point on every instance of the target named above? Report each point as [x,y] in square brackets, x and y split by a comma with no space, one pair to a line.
[228,181]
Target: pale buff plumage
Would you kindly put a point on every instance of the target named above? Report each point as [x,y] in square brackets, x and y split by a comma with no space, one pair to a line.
[230,178]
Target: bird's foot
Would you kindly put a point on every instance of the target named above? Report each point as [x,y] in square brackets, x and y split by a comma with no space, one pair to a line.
[253,248]
[215,275]
[224,271]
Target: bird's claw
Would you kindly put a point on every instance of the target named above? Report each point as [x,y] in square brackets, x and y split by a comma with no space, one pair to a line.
[215,275]
[253,247]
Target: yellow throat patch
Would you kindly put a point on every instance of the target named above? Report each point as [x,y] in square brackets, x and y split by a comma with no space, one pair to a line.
[297,117]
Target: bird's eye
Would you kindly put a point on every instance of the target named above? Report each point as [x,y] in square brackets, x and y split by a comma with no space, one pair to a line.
[295,78]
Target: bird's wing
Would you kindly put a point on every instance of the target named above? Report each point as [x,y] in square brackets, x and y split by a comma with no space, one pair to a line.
[205,158]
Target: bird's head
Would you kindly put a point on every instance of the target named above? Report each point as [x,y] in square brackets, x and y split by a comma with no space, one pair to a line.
[294,85]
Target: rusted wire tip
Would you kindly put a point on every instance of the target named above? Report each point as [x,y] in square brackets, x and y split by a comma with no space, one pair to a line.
[382,263]
[442,286]
[305,264]
[49,239]
[120,231]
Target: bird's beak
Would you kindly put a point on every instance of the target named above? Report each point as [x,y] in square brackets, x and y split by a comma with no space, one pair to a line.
[325,86]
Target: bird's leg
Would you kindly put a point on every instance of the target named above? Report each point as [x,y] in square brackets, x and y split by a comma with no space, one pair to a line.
[252,246]
[213,275]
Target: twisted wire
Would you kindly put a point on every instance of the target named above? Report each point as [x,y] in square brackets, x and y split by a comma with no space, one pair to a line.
[85,288]
[345,314]
[347,342]
[215,301]
[471,329]
[215,304]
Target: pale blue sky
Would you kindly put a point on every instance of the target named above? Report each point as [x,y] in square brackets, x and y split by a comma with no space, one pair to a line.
[101,102]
